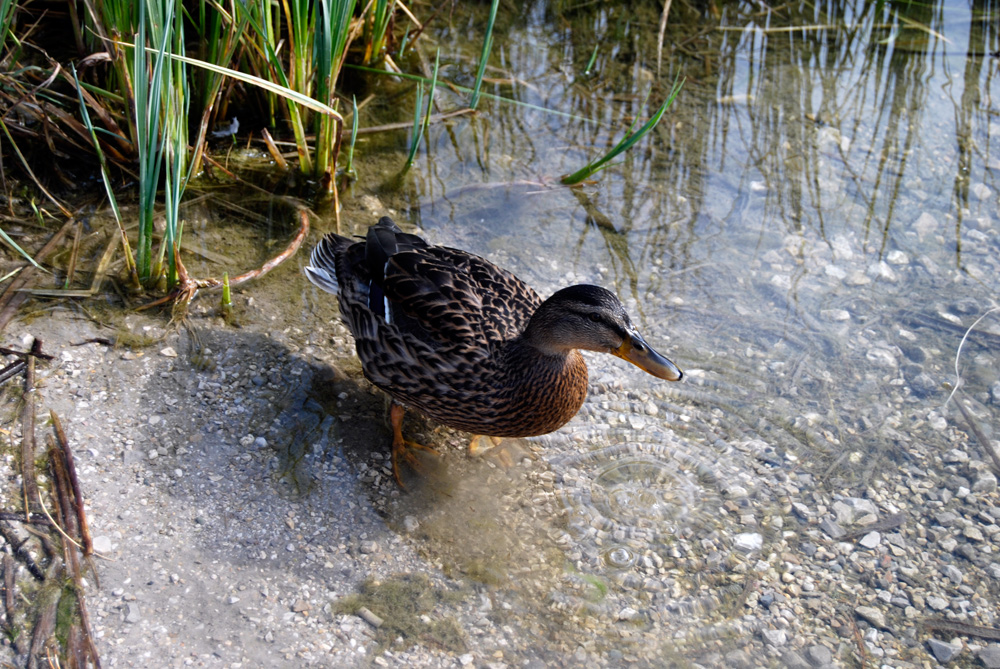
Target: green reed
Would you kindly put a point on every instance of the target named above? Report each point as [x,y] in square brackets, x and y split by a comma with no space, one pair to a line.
[161,104]
[376,23]
[420,124]
[349,170]
[221,31]
[7,8]
[333,24]
[485,55]
[626,142]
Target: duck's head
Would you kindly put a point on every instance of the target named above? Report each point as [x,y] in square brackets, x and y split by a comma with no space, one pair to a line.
[593,319]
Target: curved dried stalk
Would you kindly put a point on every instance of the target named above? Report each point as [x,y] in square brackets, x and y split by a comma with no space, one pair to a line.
[187,288]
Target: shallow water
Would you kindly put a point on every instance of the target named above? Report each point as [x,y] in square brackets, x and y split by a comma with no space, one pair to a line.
[808,233]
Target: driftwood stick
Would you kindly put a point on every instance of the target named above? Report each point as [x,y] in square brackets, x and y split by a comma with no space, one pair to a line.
[8,588]
[47,603]
[74,482]
[8,603]
[34,518]
[65,513]
[958,627]
[980,436]
[29,484]
[12,370]
[69,513]
[38,354]
[88,638]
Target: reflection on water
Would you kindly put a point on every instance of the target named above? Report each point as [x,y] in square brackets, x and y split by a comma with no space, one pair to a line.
[810,231]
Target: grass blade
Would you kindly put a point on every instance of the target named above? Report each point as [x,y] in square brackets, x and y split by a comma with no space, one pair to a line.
[420,126]
[349,168]
[484,56]
[10,242]
[626,142]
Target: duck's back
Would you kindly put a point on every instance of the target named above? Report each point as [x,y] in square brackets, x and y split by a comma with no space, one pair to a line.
[440,296]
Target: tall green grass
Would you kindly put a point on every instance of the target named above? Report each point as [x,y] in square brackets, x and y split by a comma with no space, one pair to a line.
[333,24]
[7,8]
[376,25]
[161,104]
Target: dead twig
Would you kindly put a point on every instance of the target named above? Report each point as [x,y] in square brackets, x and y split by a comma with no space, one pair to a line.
[859,640]
[12,370]
[74,254]
[74,482]
[659,35]
[958,353]
[47,603]
[17,640]
[70,512]
[24,354]
[888,523]
[957,627]
[29,485]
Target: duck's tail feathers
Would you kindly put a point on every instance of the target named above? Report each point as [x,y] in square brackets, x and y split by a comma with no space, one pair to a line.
[322,267]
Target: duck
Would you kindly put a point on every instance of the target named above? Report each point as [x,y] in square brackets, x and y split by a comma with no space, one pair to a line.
[466,343]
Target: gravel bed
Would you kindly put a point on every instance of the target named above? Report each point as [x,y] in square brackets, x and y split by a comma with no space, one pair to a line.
[239,494]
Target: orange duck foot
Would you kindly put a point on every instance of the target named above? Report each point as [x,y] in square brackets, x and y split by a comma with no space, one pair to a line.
[403,448]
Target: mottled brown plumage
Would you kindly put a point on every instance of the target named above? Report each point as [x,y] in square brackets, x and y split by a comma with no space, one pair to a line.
[467,343]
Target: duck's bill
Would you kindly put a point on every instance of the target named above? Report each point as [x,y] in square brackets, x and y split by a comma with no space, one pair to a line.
[635,350]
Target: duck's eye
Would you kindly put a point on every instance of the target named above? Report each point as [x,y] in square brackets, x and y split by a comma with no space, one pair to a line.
[594,316]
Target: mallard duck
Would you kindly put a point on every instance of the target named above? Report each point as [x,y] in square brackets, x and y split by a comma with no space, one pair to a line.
[467,343]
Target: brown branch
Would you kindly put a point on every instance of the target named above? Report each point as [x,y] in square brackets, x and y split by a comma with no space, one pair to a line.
[61,477]
[74,482]
[12,370]
[18,516]
[958,627]
[980,436]
[37,354]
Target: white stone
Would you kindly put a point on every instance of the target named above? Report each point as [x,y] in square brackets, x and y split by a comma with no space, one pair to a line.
[925,225]
[628,613]
[897,257]
[981,191]
[871,540]
[836,315]
[748,542]
[102,544]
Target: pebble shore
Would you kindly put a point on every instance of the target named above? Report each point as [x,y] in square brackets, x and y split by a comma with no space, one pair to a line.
[240,507]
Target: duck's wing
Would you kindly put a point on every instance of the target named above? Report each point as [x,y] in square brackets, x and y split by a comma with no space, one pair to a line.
[448,297]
